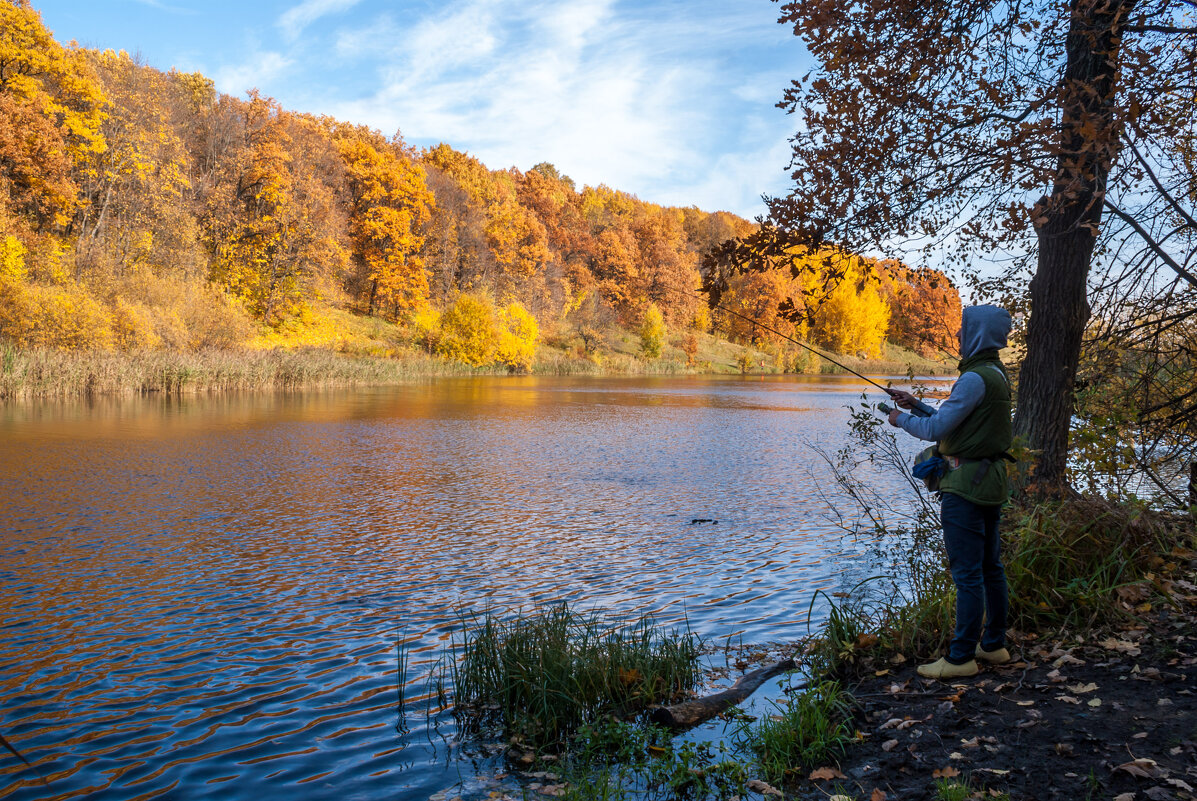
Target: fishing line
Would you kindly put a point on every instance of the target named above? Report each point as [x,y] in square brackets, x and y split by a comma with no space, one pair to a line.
[887,390]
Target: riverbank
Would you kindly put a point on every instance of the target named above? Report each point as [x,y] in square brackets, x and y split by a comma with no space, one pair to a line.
[1100,715]
[1097,702]
[32,374]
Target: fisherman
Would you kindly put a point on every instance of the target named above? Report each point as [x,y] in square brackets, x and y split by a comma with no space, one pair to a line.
[973,431]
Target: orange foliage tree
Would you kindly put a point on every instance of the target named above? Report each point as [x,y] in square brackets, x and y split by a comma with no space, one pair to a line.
[391,207]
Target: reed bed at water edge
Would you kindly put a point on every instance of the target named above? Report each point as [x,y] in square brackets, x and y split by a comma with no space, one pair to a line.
[54,373]
[540,676]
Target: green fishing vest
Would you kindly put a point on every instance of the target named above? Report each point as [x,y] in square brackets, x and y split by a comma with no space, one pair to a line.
[984,435]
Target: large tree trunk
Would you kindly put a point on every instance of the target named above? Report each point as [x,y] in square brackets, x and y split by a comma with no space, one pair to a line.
[1067,223]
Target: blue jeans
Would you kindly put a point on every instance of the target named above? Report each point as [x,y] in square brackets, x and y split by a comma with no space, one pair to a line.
[970,533]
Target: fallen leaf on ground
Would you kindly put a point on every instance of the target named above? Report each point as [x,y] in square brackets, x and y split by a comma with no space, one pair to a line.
[878,795]
[758,786]
[1081,689]
[945,773]
[1121,646]
[1180,783]
[955,755]
[889,745]
[1125,797]
[973,743]
[825,774]
[1159,794]
[1025,703]
[1094,702]
[1146,768]
[1067,659]
[1068,699]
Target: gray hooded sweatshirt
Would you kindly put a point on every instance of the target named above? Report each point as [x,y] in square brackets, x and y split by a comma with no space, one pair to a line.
[982,328]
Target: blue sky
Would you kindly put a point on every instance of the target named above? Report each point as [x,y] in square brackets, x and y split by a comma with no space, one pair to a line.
[672,100]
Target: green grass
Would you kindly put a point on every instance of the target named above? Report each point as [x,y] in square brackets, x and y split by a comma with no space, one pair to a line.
[1086,562]
[543,675]
[809,731]
[962,790]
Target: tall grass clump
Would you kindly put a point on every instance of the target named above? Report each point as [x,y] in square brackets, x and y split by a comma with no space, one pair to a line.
[1086,561]
[541,676]
[809,730]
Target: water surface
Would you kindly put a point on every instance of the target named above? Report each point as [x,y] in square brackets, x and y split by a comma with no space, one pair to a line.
[202,597]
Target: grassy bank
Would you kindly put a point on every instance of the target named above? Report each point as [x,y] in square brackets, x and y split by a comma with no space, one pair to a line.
[28,373]
[1093,583]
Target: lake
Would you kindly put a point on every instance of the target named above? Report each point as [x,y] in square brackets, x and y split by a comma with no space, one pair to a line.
[202,597]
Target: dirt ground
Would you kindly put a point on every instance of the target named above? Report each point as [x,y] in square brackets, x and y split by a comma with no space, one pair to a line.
[1114,718]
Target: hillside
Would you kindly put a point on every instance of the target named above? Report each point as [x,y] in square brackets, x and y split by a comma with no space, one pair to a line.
[143,211]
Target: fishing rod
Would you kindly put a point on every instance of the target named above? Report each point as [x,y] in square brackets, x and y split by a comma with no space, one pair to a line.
[888,391]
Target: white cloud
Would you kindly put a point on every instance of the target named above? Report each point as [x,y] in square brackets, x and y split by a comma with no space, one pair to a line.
[255,73]
[606,99]
[295,19]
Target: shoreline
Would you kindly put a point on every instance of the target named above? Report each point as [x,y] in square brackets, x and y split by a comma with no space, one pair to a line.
[52,374]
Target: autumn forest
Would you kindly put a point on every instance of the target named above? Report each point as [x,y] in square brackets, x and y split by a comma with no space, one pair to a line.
[145,211]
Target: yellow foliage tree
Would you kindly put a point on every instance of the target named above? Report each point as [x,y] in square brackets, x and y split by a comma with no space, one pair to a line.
[853,318]
[652,332]
[51,108]
[135,213]
[517,339]
[277,226]
[469,331]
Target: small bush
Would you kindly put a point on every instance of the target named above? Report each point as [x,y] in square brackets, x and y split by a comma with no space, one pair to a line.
[469,331]
[517,338]
[426,327]
[133,327]
[12,259]
[652,333]
[61,317]
[690,348]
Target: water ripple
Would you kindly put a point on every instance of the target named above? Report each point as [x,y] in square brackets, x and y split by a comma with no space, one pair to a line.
[202,598]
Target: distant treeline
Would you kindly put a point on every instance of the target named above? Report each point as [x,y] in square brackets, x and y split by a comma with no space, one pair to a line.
[142,209]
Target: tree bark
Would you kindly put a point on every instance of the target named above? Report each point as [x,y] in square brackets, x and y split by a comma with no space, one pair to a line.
[1067,223]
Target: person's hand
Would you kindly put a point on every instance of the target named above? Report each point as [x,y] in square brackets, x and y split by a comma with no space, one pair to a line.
[903,399]
[893,417]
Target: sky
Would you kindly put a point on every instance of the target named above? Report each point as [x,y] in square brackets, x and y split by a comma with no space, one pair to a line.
[671,100]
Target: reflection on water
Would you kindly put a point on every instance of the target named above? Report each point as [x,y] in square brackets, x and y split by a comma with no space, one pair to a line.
[202,597]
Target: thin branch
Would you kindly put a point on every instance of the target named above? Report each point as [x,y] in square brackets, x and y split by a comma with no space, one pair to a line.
[1171,262]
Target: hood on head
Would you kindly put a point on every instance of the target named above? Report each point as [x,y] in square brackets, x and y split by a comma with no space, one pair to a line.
[983,328]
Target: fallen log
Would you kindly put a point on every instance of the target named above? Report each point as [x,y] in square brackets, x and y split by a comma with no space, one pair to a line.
[691,713]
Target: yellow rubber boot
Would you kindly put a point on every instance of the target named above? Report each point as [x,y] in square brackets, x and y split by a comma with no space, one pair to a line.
[999,657]
[943,670]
